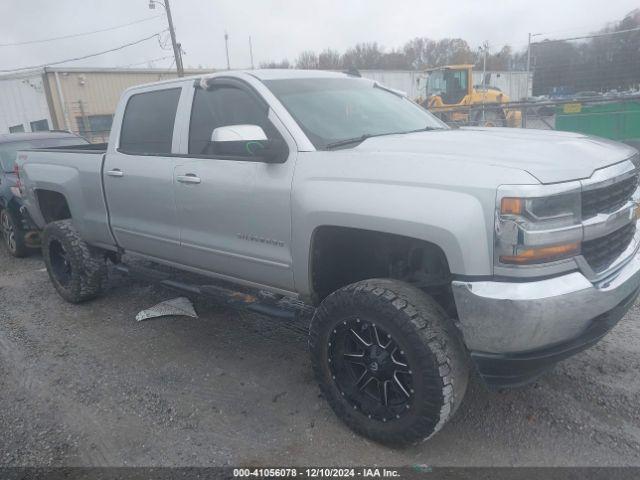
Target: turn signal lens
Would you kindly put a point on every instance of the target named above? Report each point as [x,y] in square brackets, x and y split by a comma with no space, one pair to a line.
[542,254]
[511,206]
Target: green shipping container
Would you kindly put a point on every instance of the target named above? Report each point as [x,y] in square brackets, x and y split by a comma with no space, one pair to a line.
[615,120]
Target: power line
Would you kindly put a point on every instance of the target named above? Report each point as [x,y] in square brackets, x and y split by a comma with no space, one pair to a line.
[594,35]
[35,67]
[593,28]
[146,61]
[29,42]
[520,45]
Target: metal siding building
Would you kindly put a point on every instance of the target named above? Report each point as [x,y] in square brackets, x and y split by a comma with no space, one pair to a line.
[513,84]
[23,103]
[410,82]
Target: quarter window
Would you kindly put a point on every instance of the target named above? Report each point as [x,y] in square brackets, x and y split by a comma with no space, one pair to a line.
[147,126]
[223,106]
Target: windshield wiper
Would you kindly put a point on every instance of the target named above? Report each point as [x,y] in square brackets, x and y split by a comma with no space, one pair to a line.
[362,138]
[349,141]
[424,129]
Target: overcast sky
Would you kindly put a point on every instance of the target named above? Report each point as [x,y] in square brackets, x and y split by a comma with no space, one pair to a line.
[279,28]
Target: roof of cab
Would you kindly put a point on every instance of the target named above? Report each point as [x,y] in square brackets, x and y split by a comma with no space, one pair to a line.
[260,74]
[287,73]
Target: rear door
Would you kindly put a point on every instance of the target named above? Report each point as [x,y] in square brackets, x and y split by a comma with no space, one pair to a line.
[138,175]
[236,220]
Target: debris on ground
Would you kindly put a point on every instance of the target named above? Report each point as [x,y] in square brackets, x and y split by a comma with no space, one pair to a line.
[181,306]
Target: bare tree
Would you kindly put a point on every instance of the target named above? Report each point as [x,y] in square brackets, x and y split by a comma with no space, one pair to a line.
[363,55]
[449,51]
[419,52]
[307,60]
[273,64]
[330,60]
[501,60]
[394,60]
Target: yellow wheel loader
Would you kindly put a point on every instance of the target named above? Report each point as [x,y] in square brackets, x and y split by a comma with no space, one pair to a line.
[451,95]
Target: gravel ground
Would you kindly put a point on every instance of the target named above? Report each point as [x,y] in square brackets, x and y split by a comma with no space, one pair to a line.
[89,386]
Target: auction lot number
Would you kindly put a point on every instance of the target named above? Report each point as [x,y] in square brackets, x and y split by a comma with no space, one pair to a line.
[315,472]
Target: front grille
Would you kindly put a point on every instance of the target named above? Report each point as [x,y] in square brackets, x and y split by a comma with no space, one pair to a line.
[601,252]
[609,198]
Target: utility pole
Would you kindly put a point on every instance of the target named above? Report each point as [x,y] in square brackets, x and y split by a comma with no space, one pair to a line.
[531,35]
[226,46]
[176,46]
[251,52]
[485,47]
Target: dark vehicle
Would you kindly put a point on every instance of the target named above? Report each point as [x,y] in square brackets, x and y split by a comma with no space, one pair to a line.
[15,228]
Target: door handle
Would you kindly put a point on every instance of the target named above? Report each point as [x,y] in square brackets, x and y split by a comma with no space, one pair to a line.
[116,172]
[188,178]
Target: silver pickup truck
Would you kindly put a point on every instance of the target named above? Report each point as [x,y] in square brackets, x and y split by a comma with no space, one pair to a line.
[424,251]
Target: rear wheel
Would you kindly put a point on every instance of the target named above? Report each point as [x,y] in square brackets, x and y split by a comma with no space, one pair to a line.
[388,361]
[12,234]
[78,272]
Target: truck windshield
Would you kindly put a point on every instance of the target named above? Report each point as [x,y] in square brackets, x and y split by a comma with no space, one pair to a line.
[332,110]
[9,150]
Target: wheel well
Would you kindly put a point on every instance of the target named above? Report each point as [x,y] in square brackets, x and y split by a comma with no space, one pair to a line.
[341,256]
[53,206]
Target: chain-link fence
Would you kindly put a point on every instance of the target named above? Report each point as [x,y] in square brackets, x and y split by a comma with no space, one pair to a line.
[588,84]
[542,114]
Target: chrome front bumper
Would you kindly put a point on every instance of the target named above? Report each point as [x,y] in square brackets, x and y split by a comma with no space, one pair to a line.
[512,317]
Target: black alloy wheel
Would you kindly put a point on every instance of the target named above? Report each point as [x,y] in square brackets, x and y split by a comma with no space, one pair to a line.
[370,369]
[388,360]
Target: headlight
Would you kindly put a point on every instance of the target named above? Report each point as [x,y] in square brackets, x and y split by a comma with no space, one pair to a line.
[537,224]
[544,210]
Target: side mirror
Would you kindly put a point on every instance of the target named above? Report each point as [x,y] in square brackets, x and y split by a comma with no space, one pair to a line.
[247,141]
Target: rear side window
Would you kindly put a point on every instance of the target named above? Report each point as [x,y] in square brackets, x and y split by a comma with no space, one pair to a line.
[223,106]
[147,126]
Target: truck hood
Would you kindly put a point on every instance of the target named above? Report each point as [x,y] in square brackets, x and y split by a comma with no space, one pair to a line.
[550,156]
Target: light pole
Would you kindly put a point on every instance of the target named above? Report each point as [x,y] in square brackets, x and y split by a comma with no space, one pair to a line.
[174,43]
[226,46]
[251,52]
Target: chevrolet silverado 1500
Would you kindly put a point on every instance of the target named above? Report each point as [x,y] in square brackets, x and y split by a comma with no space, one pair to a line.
[425,251]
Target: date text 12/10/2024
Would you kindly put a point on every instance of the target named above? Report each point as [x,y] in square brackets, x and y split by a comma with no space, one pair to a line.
[311,472]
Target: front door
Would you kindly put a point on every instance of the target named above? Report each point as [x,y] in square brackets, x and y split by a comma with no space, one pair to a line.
[234,213]
[138,176]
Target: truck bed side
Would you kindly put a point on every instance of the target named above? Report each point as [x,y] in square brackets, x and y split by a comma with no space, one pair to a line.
[66,182]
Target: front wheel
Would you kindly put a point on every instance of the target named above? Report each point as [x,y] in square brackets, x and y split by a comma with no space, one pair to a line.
[12,234]
[78,272]
[388,361]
